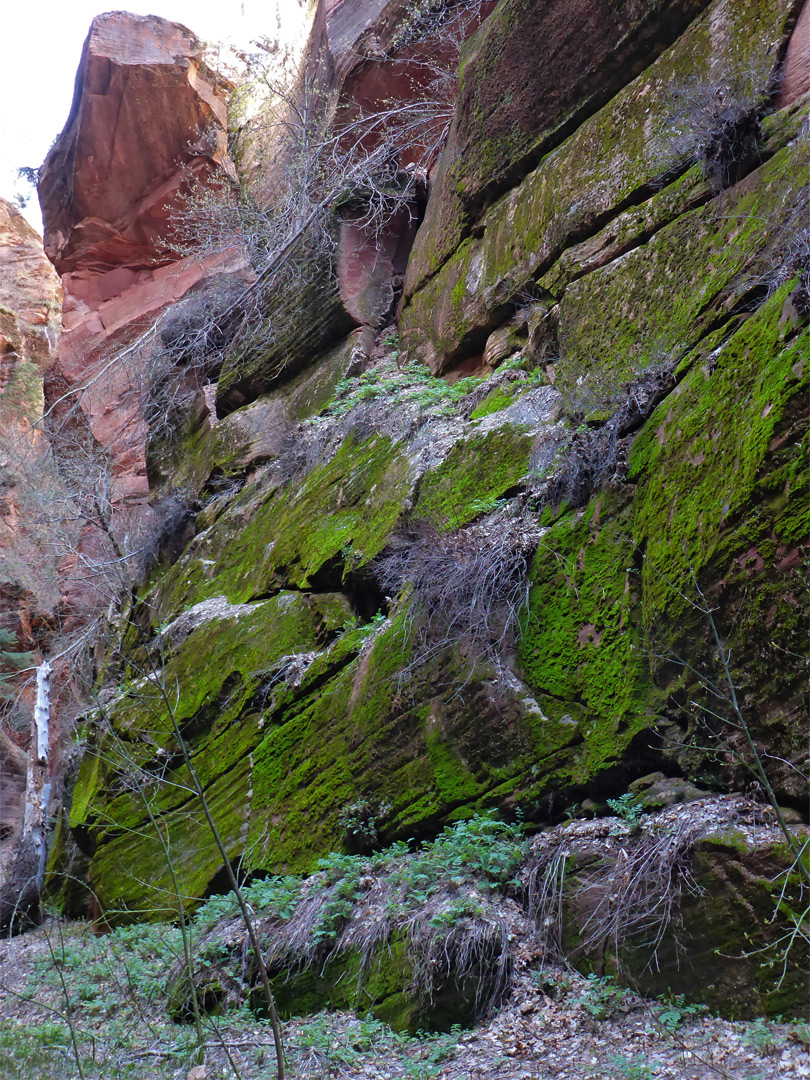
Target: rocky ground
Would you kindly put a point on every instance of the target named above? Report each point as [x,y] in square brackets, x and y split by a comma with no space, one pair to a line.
[555,1023]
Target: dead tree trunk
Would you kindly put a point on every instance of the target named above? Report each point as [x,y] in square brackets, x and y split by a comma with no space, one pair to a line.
[22,876]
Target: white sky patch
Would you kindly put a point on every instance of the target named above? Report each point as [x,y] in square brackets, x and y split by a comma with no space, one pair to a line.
[42,44]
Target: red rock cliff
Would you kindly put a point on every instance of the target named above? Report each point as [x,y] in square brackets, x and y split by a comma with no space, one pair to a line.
[147,117]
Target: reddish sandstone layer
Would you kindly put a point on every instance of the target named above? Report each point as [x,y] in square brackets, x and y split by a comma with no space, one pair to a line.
[381,62]
[30,299]
[796,74]
[148,118]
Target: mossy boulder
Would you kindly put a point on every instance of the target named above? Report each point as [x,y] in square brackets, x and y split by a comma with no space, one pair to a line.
[726,943]
[475,473]
[381,986]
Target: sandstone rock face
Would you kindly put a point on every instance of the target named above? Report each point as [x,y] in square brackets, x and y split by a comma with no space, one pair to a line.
[109,182]
[30,301]
[624,477]
[363,60]
[505,123]
[796,73]
[108,189]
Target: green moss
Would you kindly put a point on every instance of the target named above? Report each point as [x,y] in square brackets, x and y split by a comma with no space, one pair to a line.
[718,461]
[477,471]
[381,987]
[22,396]
[343,510]
[499,398]
[321,755]
[662,298]
[88,785]
[418,745]
[580,642]
[214,681]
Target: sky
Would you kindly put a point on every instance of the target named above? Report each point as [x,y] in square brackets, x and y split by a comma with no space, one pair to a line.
[42,44]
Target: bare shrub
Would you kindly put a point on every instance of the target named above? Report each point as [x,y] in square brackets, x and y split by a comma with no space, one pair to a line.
[311,159]
[597,455]
[717,123]
[465,588]
[183,353]
[171,530]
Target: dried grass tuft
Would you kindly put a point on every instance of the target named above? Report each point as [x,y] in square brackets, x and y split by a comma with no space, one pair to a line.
[465,588]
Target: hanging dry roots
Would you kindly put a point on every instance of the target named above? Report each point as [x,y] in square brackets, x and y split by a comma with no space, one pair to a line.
[465,588]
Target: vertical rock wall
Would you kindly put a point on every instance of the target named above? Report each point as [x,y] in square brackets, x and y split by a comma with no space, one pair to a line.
[30,303]
[614,244]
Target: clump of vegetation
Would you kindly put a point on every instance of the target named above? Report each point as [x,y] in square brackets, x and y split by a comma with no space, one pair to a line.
[597,451]
[466,588]
[717,124]
[444,900]
[411,385]
[360,822]
[628,808]
[602,997]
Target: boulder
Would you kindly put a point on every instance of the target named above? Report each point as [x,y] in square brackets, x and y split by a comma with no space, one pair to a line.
[699,900]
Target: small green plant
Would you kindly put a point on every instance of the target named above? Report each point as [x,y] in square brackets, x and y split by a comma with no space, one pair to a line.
[360,820]
[553,982]
[481,849]
[487,506]
[35,1049]
[602,998]
[677,1012]
[760,1036]
[628,808]
[463,907]
[410,385]
[341,875]
[631,1068]
[413,1057]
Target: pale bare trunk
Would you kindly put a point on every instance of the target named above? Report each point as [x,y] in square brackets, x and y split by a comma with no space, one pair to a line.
[24,873]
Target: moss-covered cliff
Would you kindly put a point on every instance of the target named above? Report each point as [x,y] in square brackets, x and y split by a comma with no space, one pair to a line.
[615,287]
